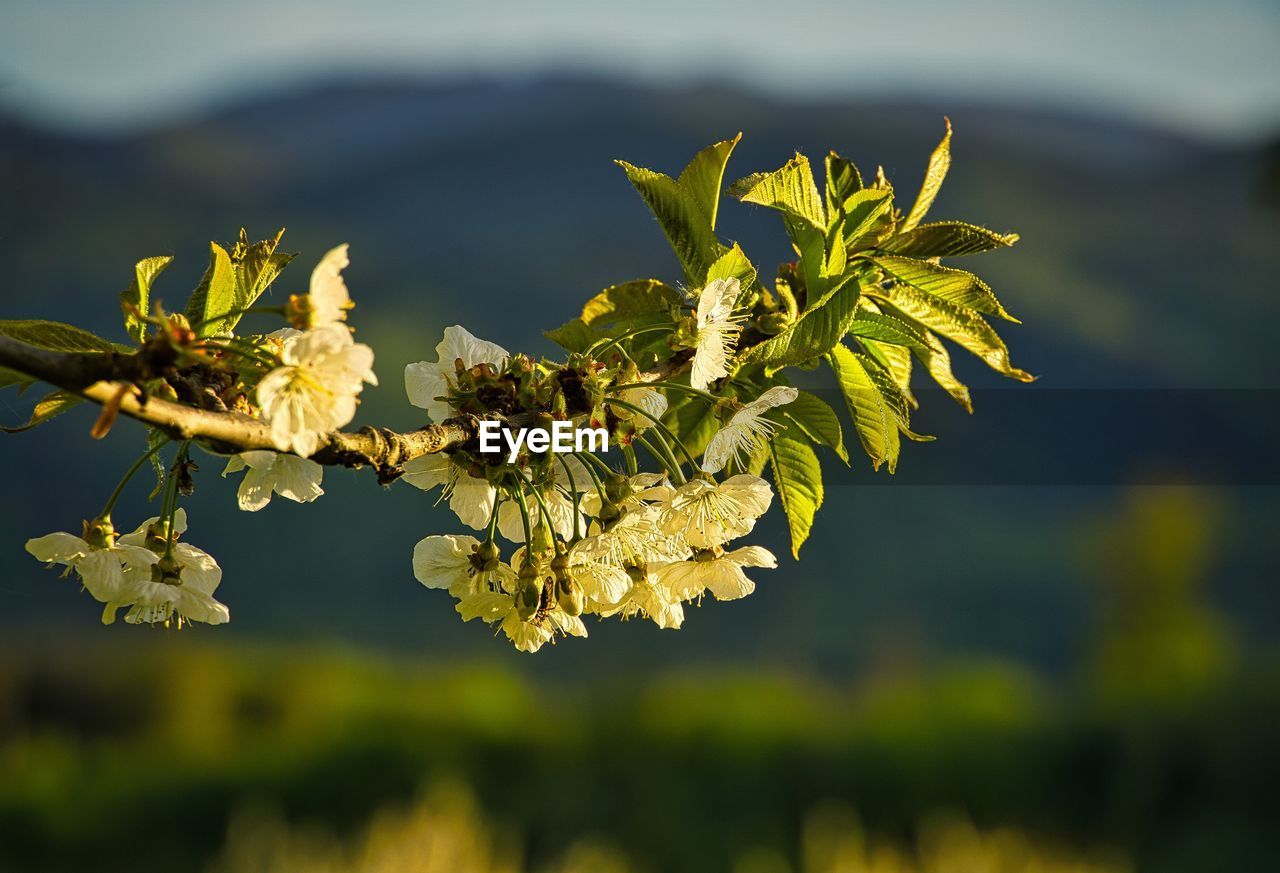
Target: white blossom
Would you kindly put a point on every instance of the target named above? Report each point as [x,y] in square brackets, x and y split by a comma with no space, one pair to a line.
[470,498]
[652,401]
[102,569]
[314,390]
[718,328]
[155,596]
[709,514]
[716,571]
[293,478]
[648,598]
[328,299]
[746,430]
[427,380]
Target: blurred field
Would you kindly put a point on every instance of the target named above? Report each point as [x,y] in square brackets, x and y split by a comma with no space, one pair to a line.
[138,760]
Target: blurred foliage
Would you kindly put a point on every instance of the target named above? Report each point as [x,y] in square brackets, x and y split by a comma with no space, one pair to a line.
[151,751]
[1157,637]
[444,832]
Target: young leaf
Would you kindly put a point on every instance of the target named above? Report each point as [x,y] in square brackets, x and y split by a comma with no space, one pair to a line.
[962,326]
[686,225]
[573,335]
[215,296]
[135,301]
[733,264]
[887,329]
[957,286]
[813,417]
[897,360]
[256,266]
[894,397]
[944,239]
[939,163]
[868,218]
[873,417]
[843,181]
[13,377]
[55,336]
[50,406]
[789,189]
[812,334]
[937,361]
[693,420]
[704,176]
[797,474]
[640,297]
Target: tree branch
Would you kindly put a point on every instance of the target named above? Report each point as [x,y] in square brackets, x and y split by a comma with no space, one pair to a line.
[105,378]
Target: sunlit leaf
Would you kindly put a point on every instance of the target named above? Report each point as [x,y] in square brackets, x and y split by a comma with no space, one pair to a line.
[956,286]
[962,326]
[797,474]
[789,189]
[943,239]
[939,163]
[815,418]
[50,406]
[874,418]
[640,297]
[135,301]
[215,296]
[704,176]
[686,225]
[813,333]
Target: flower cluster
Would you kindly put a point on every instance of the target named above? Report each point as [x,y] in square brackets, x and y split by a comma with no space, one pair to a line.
[591,539]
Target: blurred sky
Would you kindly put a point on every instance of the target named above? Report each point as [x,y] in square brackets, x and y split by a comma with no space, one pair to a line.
[1208,67]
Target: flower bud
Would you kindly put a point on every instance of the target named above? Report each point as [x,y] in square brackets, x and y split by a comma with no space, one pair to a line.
[99,533]
[528,591]
[568,595]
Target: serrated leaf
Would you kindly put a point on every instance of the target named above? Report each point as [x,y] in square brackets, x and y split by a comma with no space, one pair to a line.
[789,189]
[215,296]
[704,176]
[50,406]
[956,286]
[937,361]
[815,418]
[944,239]
[868,324]
[874,418]
[868,218]
[733,264]
[893,395]
[138,295]
[962,326]
[939,163]
[897,360]
[686,225]
[843,181]
[797,474]
[55,336]
[256,266]
[813,333]
[640,297]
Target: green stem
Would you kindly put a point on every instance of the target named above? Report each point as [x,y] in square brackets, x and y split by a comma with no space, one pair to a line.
[595,477]
[250,310]
[577,499]
[657,423]
[629,455]
[137,465]
[171,497]
[524,518]
[688,389]
[257,359]
[493,516]
[664,456]
[593,351]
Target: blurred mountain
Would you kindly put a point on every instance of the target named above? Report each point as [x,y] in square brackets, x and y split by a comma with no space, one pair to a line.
[1145,279]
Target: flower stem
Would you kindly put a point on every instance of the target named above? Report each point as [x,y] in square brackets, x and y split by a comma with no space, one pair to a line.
[629,455]
[593,351]
[250,310]
[595,477]
[657,423]
[577,500]
[687,389]
[171,497]
[524,518]
[663,456]
[137,465]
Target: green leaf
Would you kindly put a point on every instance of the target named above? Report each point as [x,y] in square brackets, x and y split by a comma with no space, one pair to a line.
[843,181]
[704,176]
[694,421]
[956,286]
[686,225]
[944,239]
[868,218]
[815,418]
[962,326]
[937,361]
[138,295]
[887,329]
[215,296]
[873,417]
[13,377]
[797,474]
[639,297]
[812,334]
[939,163]
[733,264]
[897,360]
[256,266]
[789,189]
[894,397]
[55,336]
[50,406]
[573,335]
